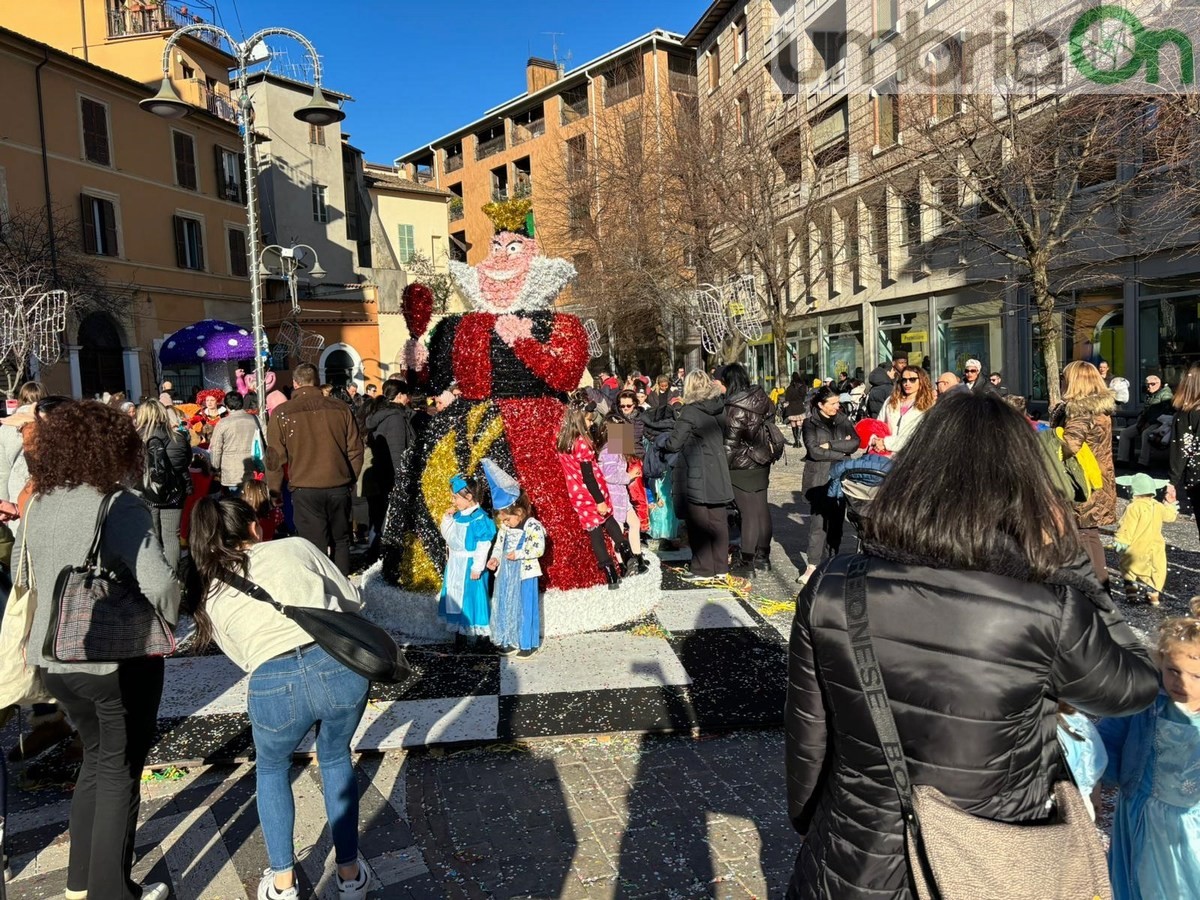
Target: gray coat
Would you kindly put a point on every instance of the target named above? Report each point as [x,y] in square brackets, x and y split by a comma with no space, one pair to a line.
[14,471]
[231,447]
[59,528]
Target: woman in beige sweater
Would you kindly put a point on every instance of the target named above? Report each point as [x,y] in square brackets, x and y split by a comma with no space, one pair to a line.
[294,683]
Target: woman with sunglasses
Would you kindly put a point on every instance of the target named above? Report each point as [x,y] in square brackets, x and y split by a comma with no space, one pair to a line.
[911,398]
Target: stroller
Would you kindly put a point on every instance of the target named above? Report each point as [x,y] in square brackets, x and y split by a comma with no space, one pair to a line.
[857,481]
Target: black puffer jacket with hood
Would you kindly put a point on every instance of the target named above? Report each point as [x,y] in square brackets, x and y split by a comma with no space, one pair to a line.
[880,390]
[974,663]
[698,432]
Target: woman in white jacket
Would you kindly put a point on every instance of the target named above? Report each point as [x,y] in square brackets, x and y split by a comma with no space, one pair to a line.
[911,397]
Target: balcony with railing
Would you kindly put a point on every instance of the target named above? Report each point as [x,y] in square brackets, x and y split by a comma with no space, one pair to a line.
[456,208]
[454,161]
[682,82]
[527,131]
[831,83]
[784,31]
[157,16]
[574,104]
[490,146]
[219,103]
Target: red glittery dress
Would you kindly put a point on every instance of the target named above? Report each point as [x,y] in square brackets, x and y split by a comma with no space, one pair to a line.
[526,384]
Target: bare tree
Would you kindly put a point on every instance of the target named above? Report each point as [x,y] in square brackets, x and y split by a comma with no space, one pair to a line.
[1036,190]
[45,278]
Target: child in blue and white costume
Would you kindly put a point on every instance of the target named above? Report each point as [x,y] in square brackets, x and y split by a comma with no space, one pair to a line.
[1154,757]
[468,532]
[516,617]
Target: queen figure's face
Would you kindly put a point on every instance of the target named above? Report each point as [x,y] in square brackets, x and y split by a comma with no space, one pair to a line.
[210,404]
[502,274]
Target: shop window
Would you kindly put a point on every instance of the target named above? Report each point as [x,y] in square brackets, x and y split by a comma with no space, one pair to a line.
[971,331]
[1092,328]
[803,351]
[842,344]
[905,330]
[1169,338]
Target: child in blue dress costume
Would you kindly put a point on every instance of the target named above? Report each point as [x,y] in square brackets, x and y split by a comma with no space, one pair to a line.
[1154,757]
[468,532]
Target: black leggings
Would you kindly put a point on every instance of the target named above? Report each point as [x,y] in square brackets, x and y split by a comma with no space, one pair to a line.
[827,515]
[756,522]
[599,547]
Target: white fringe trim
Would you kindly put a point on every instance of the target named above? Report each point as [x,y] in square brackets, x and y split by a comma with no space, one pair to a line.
[414,615]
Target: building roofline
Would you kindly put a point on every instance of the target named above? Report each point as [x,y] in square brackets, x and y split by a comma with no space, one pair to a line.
[132,85]
[709,20]
[669,38]
[293,83]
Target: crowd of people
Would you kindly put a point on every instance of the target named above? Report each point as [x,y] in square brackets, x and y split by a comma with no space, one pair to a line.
[990,618]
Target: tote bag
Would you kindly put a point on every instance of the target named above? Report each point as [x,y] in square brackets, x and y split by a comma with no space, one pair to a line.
[20,680]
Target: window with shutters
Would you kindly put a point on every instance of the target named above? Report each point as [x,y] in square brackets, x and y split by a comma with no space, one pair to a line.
[189,243]
[316,135]
[320,210]
[230,175]
[98,218]
[239,260]
[405,244]
[95,131]
[185,160]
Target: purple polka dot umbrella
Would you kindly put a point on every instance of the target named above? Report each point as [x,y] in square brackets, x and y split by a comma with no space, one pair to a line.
[208,341]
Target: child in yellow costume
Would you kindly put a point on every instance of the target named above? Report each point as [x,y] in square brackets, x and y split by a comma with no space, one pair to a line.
[1139,540]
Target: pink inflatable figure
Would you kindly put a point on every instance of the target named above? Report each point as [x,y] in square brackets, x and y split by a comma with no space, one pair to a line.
[245,384]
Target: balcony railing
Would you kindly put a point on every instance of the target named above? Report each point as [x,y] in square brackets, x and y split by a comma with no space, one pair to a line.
[813,8]
[423,176]
[454,163]
[784,29]
[153,17]
[490,147]
[527,132]
[217,103]
[573,112]
[620,91]
[831,82]
[522,188]
[682,82]
[456,209]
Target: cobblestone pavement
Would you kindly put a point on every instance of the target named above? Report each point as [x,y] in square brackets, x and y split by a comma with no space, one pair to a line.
[606,816]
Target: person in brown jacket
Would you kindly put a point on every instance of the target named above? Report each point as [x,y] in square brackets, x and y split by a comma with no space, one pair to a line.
[1085,416]
[318,441]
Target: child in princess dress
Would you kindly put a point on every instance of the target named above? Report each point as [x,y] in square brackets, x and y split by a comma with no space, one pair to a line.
[520,543]
[1154,758]
[468,532]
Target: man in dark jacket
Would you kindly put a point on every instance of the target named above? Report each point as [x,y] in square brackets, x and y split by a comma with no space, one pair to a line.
[318,440]
[1158,403]
[881,381]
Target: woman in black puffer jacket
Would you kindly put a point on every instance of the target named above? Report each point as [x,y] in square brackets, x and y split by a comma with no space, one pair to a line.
[698,434]
[829,437]
[747,409]
[978,632]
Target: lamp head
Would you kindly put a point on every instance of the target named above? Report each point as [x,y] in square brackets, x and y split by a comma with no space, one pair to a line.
[166,103]
[320,111]
[316,271]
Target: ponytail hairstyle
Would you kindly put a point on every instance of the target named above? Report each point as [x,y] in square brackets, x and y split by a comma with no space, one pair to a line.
[221,528]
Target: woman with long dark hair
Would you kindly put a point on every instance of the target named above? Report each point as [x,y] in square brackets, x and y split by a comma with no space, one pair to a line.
[981,623]
[747,410]
[79,454]
[1085,416]
[829,437]
[912,396]
[294,683]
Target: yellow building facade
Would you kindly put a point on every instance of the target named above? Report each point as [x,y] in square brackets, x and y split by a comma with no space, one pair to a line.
[155,204]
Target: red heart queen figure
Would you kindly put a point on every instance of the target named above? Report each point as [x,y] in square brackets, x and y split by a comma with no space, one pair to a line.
[514,359]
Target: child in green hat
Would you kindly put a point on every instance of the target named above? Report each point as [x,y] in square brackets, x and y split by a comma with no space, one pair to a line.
[1139,540]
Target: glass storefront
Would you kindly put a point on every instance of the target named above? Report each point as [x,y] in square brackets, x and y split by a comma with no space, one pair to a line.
[903,329]
[842,344]
[1168,336]
[1093,330]
[804,348]
[970,331]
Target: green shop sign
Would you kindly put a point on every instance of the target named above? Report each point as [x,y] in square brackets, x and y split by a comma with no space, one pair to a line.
[1109,45]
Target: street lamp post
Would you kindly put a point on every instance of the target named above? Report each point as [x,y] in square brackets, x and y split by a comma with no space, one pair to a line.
[319,111]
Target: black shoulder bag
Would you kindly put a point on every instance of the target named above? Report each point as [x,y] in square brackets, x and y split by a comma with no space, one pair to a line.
[953,855]
[359,645]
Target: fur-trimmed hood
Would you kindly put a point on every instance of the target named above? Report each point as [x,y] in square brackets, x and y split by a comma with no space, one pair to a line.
[1094,405]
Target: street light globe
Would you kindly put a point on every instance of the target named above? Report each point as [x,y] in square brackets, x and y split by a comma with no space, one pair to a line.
[320,111]
[166,103]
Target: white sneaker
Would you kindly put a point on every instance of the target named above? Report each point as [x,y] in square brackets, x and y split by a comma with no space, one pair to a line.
[157,891]
[268,891]
[357,888]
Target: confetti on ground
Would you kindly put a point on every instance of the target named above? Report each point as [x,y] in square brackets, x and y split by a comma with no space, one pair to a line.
[651,631]
[170,773]
[775,607]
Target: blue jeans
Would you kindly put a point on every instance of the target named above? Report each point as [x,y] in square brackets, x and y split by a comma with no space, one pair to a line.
[287,695]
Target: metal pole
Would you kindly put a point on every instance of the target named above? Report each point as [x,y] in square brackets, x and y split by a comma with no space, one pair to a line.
[256,312]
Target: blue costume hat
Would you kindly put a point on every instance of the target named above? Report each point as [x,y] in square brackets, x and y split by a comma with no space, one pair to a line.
[505,489]
[458,484]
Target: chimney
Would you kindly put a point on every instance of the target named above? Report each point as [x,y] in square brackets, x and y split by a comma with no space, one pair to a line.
[540,73]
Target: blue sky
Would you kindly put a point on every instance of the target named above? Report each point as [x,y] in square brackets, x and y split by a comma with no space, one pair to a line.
[419,70]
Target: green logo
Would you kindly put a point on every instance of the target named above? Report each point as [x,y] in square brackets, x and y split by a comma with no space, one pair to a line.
[1109,44]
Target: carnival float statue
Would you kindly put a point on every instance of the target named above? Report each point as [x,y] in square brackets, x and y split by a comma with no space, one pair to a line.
[513,359]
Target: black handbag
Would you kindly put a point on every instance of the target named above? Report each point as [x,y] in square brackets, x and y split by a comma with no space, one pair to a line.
[359,645]
[98,615]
